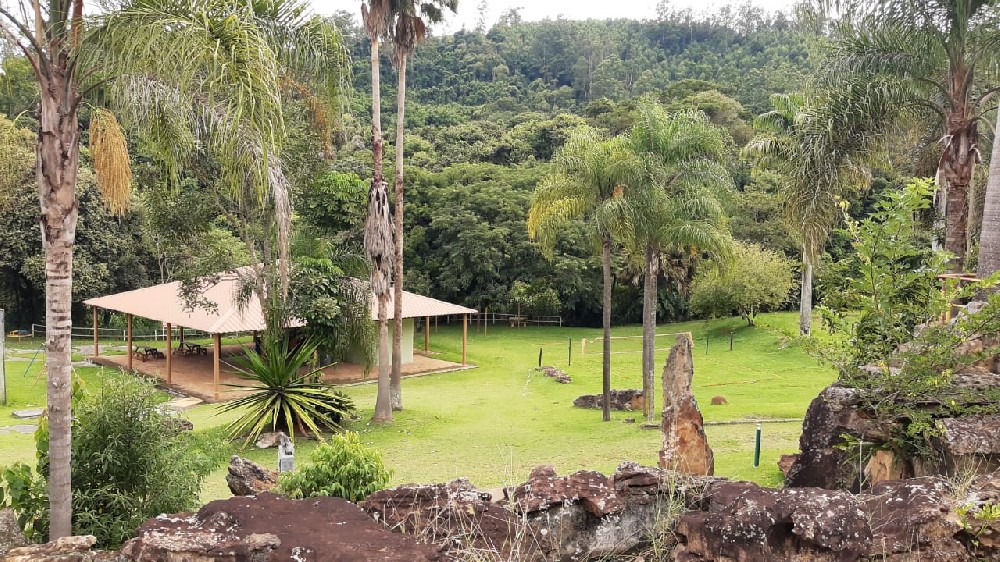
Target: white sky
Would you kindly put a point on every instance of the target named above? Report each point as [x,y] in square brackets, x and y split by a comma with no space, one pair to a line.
[468,11]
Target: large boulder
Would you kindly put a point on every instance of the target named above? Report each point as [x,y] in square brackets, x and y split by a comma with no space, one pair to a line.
[273,528]
[685,445]
[899,520]
[247,478]
[582,516]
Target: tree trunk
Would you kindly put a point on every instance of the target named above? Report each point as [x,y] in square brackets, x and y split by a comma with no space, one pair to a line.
[989,239]
[383,407]
[606,359]
[56,168]
[806,295]
[957,165]
[395,381]
[649,331]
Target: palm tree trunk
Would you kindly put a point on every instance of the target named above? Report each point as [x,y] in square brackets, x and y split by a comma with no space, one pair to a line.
[383,407]
[649,331]
[805,296]
[606,360]
[957,166]
[395,381]
[956,211]
[57,161]
[989,239]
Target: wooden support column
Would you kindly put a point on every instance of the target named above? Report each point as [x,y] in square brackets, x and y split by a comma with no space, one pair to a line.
[170,351]
[427,334]
[217,349]
[465,335]
[97,345]
[128,336]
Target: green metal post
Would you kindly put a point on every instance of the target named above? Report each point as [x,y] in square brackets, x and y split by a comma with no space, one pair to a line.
[756,448]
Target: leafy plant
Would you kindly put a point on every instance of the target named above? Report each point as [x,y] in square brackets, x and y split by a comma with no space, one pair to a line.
[130,463]
[342,467]
[285,394]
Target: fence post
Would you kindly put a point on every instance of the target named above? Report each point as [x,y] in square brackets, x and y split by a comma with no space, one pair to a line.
[570,360]
[539,357]
[730,340]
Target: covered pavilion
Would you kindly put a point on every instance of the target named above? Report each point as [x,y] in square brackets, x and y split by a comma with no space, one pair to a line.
[221,315]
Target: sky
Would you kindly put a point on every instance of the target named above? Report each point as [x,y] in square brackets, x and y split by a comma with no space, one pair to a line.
[468,11]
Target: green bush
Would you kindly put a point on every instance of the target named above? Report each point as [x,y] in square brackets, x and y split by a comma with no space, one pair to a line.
[342,467]
[131,462]
[753,280]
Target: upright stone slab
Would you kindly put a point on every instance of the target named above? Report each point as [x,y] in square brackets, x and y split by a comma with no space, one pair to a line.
[685,446]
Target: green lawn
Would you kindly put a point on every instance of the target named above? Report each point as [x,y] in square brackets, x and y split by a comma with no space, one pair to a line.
[494,423]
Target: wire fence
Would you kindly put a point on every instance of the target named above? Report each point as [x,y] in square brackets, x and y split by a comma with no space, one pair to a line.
[512,320]
[121,334]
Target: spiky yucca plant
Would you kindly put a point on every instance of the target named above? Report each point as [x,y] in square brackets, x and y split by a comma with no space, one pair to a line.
[284,395]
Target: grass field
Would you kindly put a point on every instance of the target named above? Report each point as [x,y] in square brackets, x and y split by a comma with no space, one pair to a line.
[495,422]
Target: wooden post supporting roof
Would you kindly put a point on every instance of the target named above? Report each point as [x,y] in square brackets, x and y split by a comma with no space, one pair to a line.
[465,335]
[427,334]
[170,351]
[128,332]
[97,345]
[217,345]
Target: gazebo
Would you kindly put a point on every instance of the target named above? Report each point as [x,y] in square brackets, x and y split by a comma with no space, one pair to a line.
[222,315]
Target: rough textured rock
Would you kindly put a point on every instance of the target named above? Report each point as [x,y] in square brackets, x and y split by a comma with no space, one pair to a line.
[273,528]
[582,516]
[66,549]
[247,478]
[11,535]
[685,445]
[822,462]
[785,464]
[967,444]
[899,520]
[558,374]
[271,440]
[719,401]
[885,465]
[627,400]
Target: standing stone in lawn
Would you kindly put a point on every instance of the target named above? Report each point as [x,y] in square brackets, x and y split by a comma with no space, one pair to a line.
[685,445]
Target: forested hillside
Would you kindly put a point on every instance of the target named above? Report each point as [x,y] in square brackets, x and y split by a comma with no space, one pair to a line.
[486,113]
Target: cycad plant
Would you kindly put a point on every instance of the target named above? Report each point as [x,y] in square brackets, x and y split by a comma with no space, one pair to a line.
[285,394]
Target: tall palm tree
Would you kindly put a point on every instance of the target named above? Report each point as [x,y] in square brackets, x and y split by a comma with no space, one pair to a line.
[589,182]
[822,148]
[377,16]
[943,53]
[144,55]
[409,30]
[989,240]
[676,207]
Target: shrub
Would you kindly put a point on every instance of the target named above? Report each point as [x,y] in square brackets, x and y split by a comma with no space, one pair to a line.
[130,463]
[342,467]
[283,398]
[754,280]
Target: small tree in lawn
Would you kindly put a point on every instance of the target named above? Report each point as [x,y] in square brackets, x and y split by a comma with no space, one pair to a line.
[754,279]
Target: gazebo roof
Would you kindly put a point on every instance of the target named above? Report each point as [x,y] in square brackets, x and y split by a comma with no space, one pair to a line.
[164,304]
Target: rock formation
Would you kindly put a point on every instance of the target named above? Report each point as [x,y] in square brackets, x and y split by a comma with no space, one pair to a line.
[558,374]
[630,400]
[11,535]
[247,478]
[685,446]
[270,527]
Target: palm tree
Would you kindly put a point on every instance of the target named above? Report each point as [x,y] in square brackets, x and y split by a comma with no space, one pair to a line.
[989,240]
[939,52]
[409,30]
[589,181]
[147,56]
[676,206]
[377,15]
[822,147]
